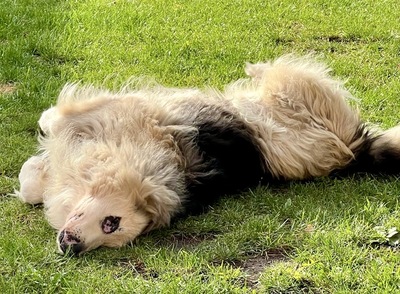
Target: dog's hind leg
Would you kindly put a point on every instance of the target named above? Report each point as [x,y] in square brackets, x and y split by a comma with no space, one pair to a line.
[32,178]
[300,91]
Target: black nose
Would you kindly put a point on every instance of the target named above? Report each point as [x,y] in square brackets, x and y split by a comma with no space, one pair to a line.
[69,243]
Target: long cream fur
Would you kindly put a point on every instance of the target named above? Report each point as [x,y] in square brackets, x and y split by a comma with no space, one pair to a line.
[126,153]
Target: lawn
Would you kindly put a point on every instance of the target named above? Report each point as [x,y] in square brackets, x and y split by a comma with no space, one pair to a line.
[329,235]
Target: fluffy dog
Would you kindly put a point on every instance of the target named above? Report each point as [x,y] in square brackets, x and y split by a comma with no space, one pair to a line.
[113,165]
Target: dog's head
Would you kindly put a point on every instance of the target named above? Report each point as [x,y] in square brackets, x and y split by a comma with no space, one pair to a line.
[112,215]
[98,222]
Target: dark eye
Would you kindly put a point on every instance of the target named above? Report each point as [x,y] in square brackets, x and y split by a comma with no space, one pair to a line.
[110,224]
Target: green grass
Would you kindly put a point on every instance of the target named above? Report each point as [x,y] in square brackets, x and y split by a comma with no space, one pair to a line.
[309,237]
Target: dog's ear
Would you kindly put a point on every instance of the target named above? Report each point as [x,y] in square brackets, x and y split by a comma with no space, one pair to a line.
[159,203]
[150,226]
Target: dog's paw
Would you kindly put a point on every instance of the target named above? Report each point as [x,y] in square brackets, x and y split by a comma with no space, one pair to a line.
[47,120]
[32,179]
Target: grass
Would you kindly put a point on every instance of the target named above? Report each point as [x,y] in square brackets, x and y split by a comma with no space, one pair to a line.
[308,237]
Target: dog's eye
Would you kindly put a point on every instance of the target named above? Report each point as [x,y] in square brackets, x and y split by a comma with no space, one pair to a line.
[110,224]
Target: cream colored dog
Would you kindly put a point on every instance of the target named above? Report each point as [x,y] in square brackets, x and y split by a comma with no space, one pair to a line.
[113,165]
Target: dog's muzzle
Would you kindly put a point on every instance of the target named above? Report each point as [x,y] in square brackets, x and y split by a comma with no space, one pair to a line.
[69,243]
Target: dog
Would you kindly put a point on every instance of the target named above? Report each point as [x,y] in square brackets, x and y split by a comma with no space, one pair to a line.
[115,164]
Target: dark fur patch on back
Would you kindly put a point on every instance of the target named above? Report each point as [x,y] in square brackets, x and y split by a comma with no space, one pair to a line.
[231,156]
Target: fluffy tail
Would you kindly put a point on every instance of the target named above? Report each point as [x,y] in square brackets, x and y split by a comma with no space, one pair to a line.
[379,154]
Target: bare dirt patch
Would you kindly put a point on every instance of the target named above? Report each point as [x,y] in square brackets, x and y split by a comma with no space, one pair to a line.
[253,265]
[7,88]
[256,264]
[137,267]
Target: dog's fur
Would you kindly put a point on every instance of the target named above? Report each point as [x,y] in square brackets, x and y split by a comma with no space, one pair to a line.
[113,165]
